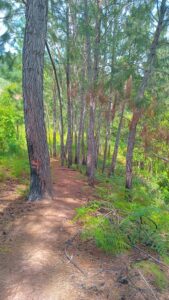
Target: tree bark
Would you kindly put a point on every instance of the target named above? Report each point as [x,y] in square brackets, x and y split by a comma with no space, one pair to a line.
[33,64]
[130,147]
[91,153]
[69,108]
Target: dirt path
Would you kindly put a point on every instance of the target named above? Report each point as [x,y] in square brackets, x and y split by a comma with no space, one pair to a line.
[36,240]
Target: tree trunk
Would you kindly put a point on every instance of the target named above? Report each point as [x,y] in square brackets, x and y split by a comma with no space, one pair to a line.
[83,150]
[140,94]
[116,146]
[107,136]
[97,139]
[62,150]
[54,121]
[130,147]
[91,153]
[33,64]
[69,106]
[75,147]
[82,117]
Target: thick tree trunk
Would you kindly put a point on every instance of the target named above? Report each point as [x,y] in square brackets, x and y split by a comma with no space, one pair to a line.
[33,63]
[140,94]
[69,106]
[116,146]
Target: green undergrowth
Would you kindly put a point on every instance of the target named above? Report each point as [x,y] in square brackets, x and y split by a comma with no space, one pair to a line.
[14,167]
[116,224]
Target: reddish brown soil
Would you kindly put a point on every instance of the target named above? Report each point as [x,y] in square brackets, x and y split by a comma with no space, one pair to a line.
[37,240]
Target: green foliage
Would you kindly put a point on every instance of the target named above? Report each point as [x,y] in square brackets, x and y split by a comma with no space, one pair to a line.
[11,120]
[144,220]
[7,129]
[107,236]
[14,167]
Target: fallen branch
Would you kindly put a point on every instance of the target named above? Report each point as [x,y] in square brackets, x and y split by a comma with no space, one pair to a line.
[148,285]
[70,258]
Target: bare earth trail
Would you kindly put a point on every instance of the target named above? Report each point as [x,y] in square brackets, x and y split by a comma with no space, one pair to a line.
[37,240]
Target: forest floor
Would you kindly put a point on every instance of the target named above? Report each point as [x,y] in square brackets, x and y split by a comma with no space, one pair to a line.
[42,256]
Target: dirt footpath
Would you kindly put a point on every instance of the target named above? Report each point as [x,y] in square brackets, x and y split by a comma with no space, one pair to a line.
[43,258]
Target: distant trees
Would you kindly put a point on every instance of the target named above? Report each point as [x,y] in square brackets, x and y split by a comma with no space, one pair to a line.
[33,63]
[140,94]
[93,49]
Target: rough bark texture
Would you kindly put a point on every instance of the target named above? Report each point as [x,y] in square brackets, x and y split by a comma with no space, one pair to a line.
[116,146]
[33,63]
[140,94]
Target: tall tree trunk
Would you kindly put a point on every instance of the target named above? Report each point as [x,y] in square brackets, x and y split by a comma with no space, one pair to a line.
[33,64]
[54,121]
[47,121]
[130,147]
[84,161]
[107,136]
[91,153]
[97,139]
[137,113]
[75,146]
[116,146]
[82,116]
[69,106]
[90,140]
[110,119]
[62,150]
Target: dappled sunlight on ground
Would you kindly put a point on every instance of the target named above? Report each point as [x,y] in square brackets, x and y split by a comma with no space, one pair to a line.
[43,258]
